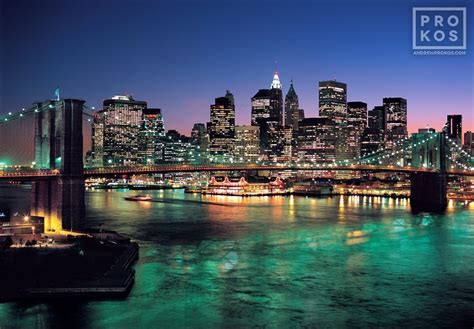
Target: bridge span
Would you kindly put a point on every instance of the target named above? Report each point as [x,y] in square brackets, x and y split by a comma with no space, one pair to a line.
[25,174]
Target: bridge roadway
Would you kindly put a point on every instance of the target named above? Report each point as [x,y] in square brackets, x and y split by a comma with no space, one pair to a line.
[17,174]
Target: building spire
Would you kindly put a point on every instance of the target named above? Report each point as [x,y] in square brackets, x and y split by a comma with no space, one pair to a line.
[291,91]
[276,81]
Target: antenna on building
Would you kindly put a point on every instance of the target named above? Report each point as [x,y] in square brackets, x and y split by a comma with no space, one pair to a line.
[56,93]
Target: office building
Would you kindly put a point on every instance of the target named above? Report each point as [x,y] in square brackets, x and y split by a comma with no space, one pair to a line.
[292,110]
[222,125]
[280,145]
[119,124]
[333,100]
[468,145]
[247,144]
[395,120]
[276,100]
[151,137]
[454,128]
[316,140]
[356,124]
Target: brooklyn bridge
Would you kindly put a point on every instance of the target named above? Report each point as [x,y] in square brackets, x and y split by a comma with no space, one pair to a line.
[58,173]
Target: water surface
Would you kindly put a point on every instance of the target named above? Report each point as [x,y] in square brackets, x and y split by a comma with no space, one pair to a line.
[274,262]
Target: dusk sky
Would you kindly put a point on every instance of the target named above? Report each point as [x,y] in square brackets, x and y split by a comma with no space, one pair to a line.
[180,55]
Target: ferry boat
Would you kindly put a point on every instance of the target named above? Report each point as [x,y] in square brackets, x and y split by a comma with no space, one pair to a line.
[138,198]
[253,186]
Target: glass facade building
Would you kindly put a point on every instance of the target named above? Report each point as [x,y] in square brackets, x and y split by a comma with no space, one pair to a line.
[222,125]
[247,144]
[333,100]
[317,140]
[395,120]
[119,124]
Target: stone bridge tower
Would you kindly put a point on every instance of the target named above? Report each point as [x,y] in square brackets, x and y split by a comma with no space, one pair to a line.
[429,189]
[58,145]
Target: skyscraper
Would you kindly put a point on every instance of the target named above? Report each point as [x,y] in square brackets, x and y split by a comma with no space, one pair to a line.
[280,146]
[200,142]
[333,105]
[97,152]
[276,100]
[356,123]
[376,118]
[332,100]
[151,137]
[468,145]
[316,140]
[222,125]
[396,120]
[260,107]
[373,137]
[455,128]
[247,144]
[119,123]
[371,141]
[267,113]
[292,110]
[267,104]
[199,136]
[177,148]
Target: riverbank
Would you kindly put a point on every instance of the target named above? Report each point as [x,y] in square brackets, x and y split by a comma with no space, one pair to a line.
[87,268]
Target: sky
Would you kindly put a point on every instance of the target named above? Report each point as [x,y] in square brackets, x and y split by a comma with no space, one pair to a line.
[181,55]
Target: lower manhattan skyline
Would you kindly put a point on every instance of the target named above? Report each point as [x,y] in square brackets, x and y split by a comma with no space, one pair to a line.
[178,72]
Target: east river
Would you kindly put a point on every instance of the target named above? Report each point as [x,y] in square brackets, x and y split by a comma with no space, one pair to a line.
[274,262]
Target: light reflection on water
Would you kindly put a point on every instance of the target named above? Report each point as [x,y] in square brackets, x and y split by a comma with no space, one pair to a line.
[221,261]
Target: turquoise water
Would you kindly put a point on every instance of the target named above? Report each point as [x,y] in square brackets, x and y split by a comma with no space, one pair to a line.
[275,262]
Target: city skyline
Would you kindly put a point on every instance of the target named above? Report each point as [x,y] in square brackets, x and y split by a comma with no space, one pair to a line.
[372,67]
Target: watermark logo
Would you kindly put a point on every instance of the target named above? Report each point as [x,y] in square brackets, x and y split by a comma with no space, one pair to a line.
[439,30]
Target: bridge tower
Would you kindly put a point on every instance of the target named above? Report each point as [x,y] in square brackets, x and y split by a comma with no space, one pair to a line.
[429,189]
[58,145]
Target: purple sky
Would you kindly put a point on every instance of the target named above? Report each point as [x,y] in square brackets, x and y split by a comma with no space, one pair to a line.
[180,55]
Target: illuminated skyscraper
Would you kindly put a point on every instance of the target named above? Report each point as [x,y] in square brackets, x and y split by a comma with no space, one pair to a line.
[267,113]
[468,144]
[200,142]
[317,140]
[280,146]
[333,100]
[455,128]
[373,137]
[122,119]
[356,123]
[222,125]
[395,120]
[151,137]
[97,152]
[376,118]
[247,144]
[199,136]
[260,107]
[177,148]
[292,110]
[333,105]
[276,100]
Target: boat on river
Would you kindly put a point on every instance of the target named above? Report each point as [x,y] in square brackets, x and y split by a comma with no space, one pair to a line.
[138,198]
